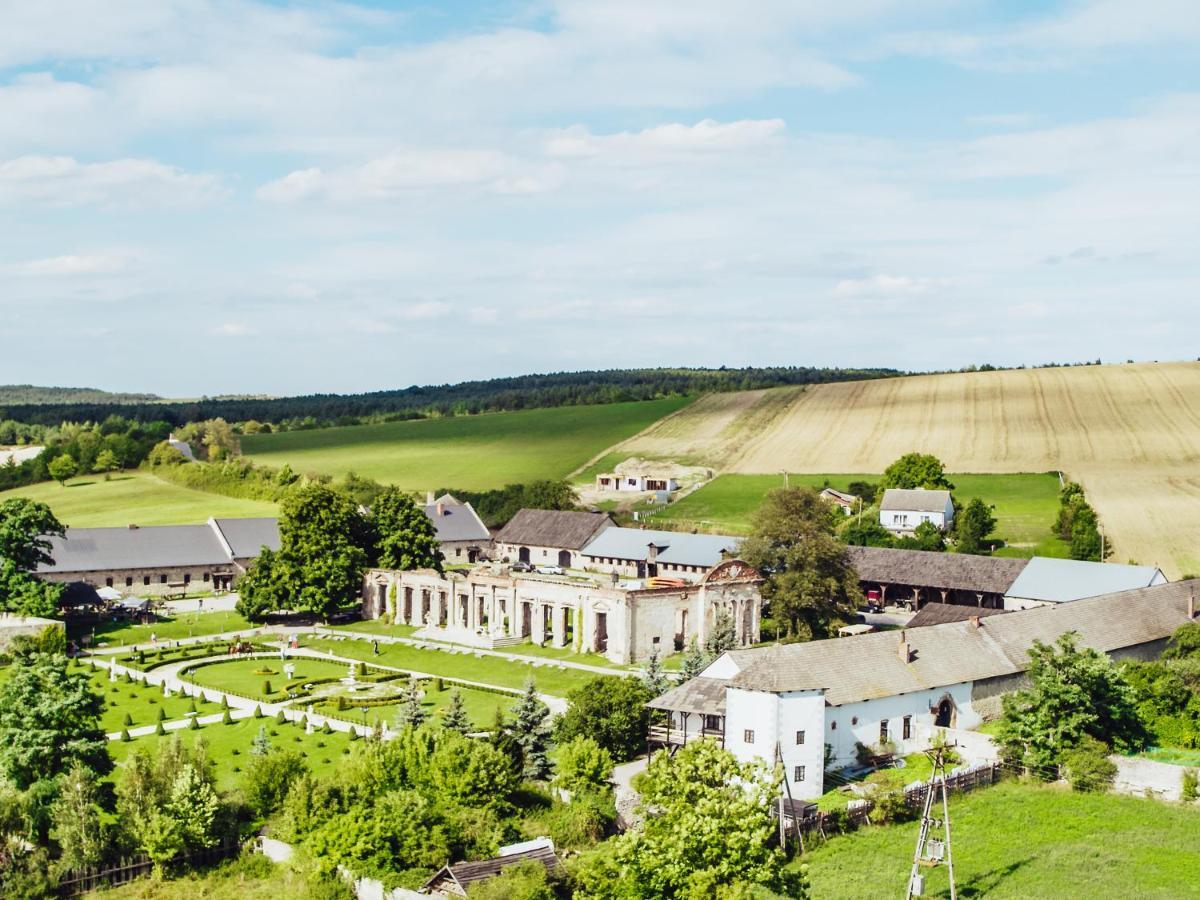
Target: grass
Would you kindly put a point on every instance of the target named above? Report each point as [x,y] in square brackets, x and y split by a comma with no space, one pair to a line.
[432,453]
[242,676]
[1176,756]
[1025,504]
[376,626]
[229,745]
[1022,840]
[250,877]
[141,703]
[135,497]
[481,706]
[491,670]
[167,628]
[564,653]
[917,767]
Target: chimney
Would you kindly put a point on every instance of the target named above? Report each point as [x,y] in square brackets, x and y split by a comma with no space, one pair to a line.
[903,651]
[974,620]
[429,498]
[441,509]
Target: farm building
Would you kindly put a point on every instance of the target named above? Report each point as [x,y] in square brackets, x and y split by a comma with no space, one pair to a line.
[901,511]
[1046,580]
[460,532]
[549,537]
[644,553]
[492,606]
[892,691]
[641,481]
[847,502]
[917,577]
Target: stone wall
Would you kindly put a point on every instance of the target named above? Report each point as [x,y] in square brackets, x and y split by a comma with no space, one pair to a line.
[14,626]
[133,581]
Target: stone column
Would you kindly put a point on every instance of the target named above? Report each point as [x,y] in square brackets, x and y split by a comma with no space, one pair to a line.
[539,623]
[558,623]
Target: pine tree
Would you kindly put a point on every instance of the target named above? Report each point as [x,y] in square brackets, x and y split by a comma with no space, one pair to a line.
[160,730]
[258,713]
[454,717]
[695,661]
[410,714]
[128,720]
[262,744]
[532,731]
[655,679]
[227,719]
[194,723]
[125,735]
[722,637]
[162,714]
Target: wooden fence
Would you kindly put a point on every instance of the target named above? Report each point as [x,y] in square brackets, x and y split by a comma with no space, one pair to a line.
[79,882]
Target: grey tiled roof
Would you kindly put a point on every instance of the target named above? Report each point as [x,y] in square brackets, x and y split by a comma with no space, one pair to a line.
[869,666]
[923,568]
[941,613]
[676,547]
[1059,580]
[698,695]
[458,521]
[160,546]
[247,537]
[915,500]
[553,528]
[465,874]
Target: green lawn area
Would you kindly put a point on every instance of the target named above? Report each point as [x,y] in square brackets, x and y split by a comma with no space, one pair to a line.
[481,706]
[1025,504]
[1024,841]
[484,669]
[137,498]
[565,653]
[376,626]
[1176,756]
[249,877]
[470,452]
[141,703]
[229,745]
[246,676]
[917,767]
[168,628]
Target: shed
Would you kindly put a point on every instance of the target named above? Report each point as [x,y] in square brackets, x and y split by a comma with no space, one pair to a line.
[1045,580]
[454,880]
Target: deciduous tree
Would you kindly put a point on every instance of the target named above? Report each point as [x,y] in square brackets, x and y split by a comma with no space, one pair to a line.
[62,468]
[582,765]
[404,536]
[916,471]
[973,525]
[612,711]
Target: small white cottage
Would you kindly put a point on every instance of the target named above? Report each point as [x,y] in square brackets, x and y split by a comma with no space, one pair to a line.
[901,511]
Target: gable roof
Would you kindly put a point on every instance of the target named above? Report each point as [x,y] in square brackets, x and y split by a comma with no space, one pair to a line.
[245,538]
[567,529]
[464,874]
[947,571]
[1060,580]
[159,546]
[840,496]
[869,666]
[914,500]
[674,547]
[696,695]
[457,522]
[941,613]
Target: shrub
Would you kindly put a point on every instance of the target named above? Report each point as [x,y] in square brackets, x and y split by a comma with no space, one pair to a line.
[125,735]
[325,729]
[582,765]
[1190,785]
[280,717]
[354,734]
[258,713]
[160,730]
[438,686]
[227,719]
[194,724]
[224,702]
[342,704]
[266,688]
[128,720]
[361,670]
[1088,766]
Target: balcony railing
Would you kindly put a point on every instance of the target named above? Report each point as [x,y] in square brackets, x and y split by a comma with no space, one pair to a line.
[674,736]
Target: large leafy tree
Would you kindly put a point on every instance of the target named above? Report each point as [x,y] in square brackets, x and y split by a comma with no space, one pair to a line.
[611,711]
[1074,693]
[25,527]
[916,470]
[404,536]
[707,833]
[973,525]
[810,584]
[49,721]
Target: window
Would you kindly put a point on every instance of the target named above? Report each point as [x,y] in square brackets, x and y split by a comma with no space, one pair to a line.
[799,737]
[798,775]
[907,728]
[883,731]
[748,735]
[146,579]
[206,577]
[108,582]
[458,551]
[854,720]
[128,581]
[655,640]
[187,578]
[162,579]
[833,726]
[545,553]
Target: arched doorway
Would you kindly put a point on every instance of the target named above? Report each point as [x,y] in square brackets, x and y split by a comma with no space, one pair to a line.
[945,714]
[523,555]
[564,558]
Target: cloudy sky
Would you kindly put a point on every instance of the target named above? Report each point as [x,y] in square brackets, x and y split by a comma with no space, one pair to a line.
[204,197]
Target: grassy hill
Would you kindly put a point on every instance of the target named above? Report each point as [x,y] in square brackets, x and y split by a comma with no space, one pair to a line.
[1129,433]
[471,452]
[1020,840]
[135,497]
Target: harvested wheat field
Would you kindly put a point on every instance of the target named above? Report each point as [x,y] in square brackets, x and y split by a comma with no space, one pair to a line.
[1129,433]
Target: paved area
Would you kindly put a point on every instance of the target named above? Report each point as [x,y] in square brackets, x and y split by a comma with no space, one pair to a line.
[627,799]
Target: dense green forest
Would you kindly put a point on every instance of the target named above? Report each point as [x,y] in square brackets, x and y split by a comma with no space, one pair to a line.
[495,395]
[31,394]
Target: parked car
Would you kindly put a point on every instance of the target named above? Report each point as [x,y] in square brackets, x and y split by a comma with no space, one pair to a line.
[521,567]
[550,570]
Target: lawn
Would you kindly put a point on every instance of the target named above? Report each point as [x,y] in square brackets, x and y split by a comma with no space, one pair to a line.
[564,653]
[168,628]
[481,706]
[141,703]
[376,626]
[1023,840]
[135,498]
[229,745]
[1025,505]
[492,670]
[246,676]
[469,452]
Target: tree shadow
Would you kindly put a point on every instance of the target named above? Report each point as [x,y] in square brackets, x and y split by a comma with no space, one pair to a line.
[986,882]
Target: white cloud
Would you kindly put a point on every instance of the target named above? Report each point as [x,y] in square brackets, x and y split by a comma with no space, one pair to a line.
[887,286]
[672,139]
[65,181]
[72,264]
[233,329]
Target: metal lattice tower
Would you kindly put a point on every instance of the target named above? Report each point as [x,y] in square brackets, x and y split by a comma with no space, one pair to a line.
[931,851]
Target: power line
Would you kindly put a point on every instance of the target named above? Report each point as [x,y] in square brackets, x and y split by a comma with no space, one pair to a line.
[932,852]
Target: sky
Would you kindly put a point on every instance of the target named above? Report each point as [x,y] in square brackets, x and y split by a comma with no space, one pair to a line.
[235,197]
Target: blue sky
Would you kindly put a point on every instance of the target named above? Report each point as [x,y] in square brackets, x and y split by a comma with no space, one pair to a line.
[212,197]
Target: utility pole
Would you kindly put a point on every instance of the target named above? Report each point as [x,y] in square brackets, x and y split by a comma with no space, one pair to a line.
[932,852]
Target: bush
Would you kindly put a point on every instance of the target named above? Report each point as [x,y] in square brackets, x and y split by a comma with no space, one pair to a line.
[125,736]
[582,765]
[325,729]
[227,719]
[438,686]
[583,822]
[1190,785]
[267,690]
[127,721]
[258,713]
[160,730]
[342,704]
[280,717]
[1088,766]
[193,724]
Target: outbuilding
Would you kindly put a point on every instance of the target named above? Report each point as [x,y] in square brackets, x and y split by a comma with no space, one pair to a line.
[901,511]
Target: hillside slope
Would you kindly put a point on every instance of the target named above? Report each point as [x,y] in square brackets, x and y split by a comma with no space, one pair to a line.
[1130,433]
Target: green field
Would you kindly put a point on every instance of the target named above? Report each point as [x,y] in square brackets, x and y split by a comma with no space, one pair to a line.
[470,452]
[481,706]
[492,670]
[240,676]
[135,498]
[229,746]
[167,628]
[1025,505]
[141,703]
[1021,841]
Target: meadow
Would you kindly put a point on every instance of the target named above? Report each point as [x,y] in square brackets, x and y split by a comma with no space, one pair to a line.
[1129,433]
[481,706]
[166,628]
[1025,505]
[135,498]
[1023,840]
[469,452]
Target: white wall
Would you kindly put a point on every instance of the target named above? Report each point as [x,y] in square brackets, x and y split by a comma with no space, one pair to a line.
[906,521]
[775,720]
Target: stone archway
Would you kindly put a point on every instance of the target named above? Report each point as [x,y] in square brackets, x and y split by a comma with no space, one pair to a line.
[945,713]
